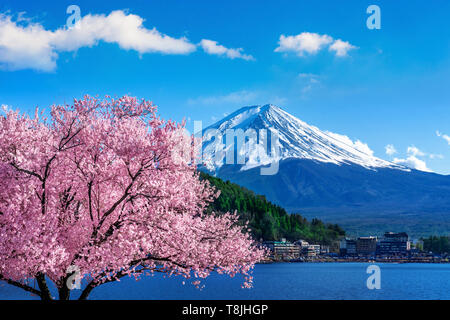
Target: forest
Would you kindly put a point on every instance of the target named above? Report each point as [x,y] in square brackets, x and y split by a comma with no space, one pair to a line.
[437,244]
[269,221]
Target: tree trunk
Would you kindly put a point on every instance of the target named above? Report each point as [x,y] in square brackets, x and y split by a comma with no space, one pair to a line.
[64,292]
[43,287]
[84,295]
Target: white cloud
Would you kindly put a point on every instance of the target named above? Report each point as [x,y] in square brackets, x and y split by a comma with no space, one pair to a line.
[25,47]
[29,46]
[305,42]
[358,144]
[341,48]
[312,43]
[414,151]
[443,136]
[212,47]
[413,162]
[390,149]
[126,30]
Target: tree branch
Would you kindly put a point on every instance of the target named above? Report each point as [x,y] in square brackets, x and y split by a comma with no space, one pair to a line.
[97,281]
[117,203]
[90,200]
[22,286]
[31,173]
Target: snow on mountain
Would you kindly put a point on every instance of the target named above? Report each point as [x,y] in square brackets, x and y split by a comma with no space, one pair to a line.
[297,139]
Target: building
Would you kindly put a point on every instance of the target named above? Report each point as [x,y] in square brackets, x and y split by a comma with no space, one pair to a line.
[313,250]
[351,247]
[302,243]
[310,250]
[324,249]
[394,244]
[343,247]
[347,247]
[283,249]
[334,246]
[366,246]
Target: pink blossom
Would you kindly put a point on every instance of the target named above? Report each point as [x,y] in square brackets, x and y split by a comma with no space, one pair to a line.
[106,186]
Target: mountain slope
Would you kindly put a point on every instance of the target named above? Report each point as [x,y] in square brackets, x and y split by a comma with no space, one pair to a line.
[323,175]
[267,220]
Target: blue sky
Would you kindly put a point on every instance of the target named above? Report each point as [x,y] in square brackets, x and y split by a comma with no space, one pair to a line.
[384,87]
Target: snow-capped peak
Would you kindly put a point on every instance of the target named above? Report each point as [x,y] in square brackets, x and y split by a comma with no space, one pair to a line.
[297,139]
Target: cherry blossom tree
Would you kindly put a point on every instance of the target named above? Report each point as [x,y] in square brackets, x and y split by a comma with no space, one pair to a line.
[105,189]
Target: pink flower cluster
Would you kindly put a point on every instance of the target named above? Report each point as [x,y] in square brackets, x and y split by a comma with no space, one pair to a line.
[99,185]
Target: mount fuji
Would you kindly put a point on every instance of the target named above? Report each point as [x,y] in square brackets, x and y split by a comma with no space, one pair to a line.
[326,175]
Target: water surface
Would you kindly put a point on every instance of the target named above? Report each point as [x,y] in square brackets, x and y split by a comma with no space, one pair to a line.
[285,281]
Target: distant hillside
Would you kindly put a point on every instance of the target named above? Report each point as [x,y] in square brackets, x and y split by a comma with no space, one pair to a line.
[267,220]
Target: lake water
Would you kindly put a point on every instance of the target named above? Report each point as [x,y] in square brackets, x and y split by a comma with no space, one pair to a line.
[286,281]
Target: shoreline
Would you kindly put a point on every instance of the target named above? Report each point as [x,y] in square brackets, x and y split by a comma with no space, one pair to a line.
[393,261]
